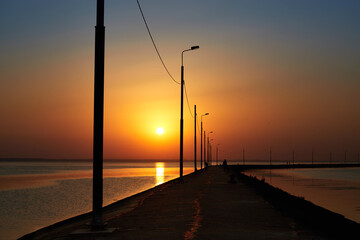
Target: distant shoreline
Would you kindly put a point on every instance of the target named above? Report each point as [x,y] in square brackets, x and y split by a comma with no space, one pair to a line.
[248,163]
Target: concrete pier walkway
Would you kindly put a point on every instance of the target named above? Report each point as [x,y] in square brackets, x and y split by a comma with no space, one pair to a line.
[207,205]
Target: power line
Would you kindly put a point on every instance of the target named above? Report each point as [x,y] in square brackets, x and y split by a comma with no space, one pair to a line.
[187,100]
[152,39]
[188,103]
[158,53]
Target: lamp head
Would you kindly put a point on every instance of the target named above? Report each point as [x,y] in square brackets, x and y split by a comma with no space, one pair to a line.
[194,47]
[206,114]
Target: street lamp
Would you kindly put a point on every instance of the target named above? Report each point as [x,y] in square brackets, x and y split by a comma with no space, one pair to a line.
[201,144]
[210,148]
[204,148]
[182,110]
[208,155]
[217,153]
[195,153]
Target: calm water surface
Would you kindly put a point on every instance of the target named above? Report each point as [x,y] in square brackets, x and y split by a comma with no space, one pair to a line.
[36,194]
[336,189]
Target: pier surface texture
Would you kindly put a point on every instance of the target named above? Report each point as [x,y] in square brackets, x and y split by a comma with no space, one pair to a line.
[209,204]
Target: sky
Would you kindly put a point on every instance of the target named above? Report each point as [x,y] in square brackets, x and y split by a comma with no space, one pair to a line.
[271,74]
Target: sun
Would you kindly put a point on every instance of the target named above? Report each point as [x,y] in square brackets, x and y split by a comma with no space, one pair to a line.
[160,130]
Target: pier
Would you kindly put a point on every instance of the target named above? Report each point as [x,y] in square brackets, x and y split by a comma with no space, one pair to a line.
[215,203]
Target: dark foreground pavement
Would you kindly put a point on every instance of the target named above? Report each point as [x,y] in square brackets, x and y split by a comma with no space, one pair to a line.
[207,205]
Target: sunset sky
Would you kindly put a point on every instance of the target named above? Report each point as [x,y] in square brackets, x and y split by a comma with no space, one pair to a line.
[280,74]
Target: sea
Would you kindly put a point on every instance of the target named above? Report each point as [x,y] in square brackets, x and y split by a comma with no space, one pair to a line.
[336,189]
[38,193]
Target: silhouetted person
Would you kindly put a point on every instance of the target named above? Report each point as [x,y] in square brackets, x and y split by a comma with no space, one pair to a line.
[225,163]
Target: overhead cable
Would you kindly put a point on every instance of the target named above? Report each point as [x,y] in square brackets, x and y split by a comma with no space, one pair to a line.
[187,100]
[158,53]
[152,39]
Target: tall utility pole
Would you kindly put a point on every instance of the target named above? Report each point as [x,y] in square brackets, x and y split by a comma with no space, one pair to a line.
[204,148]
[195,138]
[217,154]
[182,120]
[208,149]
[201,141]
[97,221]
[243,156]
[210,154]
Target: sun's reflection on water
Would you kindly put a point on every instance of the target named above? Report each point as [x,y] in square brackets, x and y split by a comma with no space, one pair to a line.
[160,178]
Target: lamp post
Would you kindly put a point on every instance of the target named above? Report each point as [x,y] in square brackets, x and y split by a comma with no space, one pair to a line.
[243,156]
[97,220]
[217,153]
[195,115]
[205,148]
[208,144]
[182,110]
[201,142]
[211,151]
